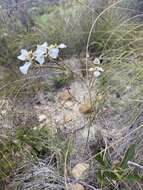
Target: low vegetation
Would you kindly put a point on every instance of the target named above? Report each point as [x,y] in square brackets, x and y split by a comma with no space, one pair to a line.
[98,75]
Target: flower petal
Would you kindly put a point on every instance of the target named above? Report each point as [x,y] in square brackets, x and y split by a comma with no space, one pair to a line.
[53,53]
[91,69]
[45,44]
[62,46]
[24,55]
[41,49]
[99,69]
[40,59]
[96,61]
[24,68]
[97,74]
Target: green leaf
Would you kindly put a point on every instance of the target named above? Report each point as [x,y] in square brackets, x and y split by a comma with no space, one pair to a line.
[102,160]
[100,177]
[129,155]
[133,178]
[112,175]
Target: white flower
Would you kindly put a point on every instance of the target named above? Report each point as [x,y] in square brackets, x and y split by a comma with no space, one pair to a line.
[5,34]
[40,59]
[40,52]
[97,73]
[41,49]
[96,69]
[27,57]
[96,61]
[53,53]
[91,69]
[99,69]
[39,55]
[54,50]
[24,55]
[62,46]
[24,68]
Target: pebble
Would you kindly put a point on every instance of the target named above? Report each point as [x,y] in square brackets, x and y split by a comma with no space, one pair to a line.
[67,118]
[79,170]
[76,186]
[42,118]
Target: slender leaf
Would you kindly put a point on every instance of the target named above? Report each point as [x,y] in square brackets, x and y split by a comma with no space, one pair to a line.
[129,155]
[103,160]
[133,178]
[112,175]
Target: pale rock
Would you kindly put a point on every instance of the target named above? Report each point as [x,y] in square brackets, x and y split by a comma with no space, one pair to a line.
[80,170]
[99,97]
[67,118]
[76,186]
[68,104]
[3,112]
[42,118]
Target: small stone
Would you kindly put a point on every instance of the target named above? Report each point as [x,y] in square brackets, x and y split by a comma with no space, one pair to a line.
[65,96]
[85,107]
[68,104]
[3,112]
[80,170]
[99,97]
[67,118]
[76,186]
[42,118]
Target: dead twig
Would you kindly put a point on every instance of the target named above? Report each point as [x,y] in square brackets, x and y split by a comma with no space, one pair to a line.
[130,163]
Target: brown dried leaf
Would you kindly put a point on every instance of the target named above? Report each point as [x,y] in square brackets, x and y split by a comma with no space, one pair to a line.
[65,96]
[85,107]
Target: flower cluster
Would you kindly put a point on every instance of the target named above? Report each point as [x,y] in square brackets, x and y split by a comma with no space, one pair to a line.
[39,55]
[96,71]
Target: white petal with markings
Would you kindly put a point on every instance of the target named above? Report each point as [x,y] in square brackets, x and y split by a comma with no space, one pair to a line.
[24,55]
[41,49]
[53,53]
[62,46]
[40,59]
[24,68]
[97,73]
